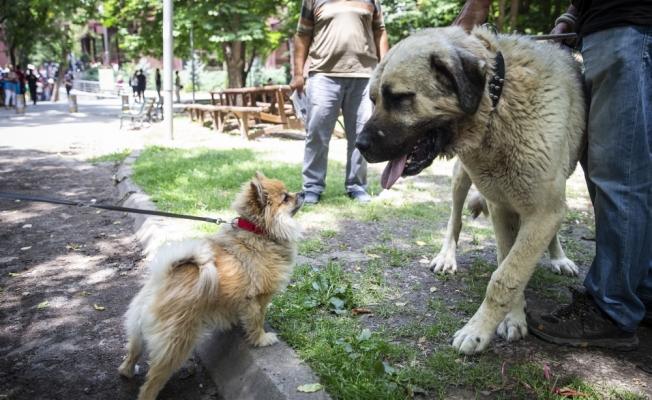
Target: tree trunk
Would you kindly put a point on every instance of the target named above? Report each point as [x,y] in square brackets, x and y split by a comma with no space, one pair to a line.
[57,84]
[12,54]
[501,15]
[513,15]
[234,53]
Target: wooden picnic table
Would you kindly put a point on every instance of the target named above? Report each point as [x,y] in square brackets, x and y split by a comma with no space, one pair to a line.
[277,108]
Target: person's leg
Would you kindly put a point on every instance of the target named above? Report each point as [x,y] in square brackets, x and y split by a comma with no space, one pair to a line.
[620,168]
[357,109]
[324,103]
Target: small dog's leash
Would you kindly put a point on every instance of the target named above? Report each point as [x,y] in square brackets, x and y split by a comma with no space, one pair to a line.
[117,208]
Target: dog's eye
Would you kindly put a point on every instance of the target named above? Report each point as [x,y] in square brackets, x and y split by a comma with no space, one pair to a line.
[286,198]
[396,100]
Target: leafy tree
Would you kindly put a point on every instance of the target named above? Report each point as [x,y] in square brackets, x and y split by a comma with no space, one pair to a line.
[236,32]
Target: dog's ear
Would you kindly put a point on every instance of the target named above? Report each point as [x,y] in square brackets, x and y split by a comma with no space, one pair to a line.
[258,192]
[467,73]
[260,176]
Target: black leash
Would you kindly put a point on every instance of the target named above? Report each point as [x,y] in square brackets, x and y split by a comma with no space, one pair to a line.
[112,208]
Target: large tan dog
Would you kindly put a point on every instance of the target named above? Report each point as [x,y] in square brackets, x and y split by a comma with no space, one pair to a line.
[200,285]
[432,98]
[445,261]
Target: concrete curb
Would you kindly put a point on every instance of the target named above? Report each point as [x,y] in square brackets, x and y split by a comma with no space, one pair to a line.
[240,371]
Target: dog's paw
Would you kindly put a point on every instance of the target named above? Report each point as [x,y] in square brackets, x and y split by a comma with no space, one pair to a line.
[513,327]
[473,338]
[128,371]
[266,339]
[564,266]
[443,263]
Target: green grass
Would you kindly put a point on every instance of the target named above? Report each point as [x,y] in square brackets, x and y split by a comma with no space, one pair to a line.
[402,349]
[117,156]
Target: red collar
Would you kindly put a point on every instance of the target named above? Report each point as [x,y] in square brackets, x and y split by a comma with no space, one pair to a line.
[250,226]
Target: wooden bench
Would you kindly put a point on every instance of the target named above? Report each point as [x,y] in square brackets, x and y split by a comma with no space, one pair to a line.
[220,115]
[144,112]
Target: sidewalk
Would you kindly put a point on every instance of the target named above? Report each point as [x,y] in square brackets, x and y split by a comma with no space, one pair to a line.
[57,263]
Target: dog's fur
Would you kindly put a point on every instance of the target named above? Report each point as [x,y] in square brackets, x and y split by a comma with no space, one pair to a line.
[445,261]
[431,98]
[200,285]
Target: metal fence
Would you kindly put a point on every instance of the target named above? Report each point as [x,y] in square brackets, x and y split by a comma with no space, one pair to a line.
[94,87]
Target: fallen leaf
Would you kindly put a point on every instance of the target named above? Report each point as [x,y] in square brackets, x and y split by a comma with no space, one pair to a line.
[433,289]
[123,273]
[485,392]
[458,360]
[27,226]
[357,268]
[98,211]
[25,293]
[111,235]
[422,339]
[14,275]
[357,311]
[400,304]
[116,223]
[26,248]
[98,308]
[420,243]
[0,290]
[373,255]
[17,201]
[45,304]
[342,246]
[83,293]
[424,261]
[310,388]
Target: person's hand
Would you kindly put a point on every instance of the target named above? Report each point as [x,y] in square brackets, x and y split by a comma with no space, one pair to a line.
[562,28]
[297,84]
[473,13]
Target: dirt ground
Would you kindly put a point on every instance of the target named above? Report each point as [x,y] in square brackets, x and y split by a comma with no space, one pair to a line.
[68,260]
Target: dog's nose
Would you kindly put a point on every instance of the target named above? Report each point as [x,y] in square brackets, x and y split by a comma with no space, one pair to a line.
[362,142]
[301,194]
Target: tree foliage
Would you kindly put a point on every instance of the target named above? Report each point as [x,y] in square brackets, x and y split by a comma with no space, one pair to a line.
[234,31]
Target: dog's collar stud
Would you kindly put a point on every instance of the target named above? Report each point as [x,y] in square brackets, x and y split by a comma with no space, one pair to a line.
[499,77]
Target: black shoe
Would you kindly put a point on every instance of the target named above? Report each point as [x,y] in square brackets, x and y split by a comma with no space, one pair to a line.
[360,196]
[311,198]
[581,324]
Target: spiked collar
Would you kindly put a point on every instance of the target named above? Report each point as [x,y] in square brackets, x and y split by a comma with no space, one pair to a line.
[497,80]
[249,226]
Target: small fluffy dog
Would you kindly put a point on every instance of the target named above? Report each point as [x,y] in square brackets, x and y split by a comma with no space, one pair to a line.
[199,285]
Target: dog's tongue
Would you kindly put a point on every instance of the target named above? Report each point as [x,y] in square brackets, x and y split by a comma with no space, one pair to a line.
[392,172]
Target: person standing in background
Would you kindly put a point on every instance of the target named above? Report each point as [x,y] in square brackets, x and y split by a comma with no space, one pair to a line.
[177,86]
[344,40]
[157,81]
[31,84]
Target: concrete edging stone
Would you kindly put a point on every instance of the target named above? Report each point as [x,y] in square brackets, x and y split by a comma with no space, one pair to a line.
[239,370]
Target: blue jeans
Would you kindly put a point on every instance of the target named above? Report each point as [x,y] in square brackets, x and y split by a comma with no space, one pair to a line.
[618,74]
[326,96]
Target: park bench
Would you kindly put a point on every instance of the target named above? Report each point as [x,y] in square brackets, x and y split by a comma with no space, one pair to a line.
[144,112]
[242,114]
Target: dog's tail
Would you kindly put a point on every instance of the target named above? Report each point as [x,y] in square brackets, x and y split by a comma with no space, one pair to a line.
[188,251]
[477,204]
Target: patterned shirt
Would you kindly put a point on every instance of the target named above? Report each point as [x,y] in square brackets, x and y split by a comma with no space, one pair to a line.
[342,36]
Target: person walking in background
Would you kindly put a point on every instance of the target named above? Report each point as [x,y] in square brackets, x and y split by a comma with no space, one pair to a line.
[157,82]
[10,84]
[67,81]
[31,84]
[343,55]
[141,84]
[133,82]
[20,89]
[120,83]
[615,38]
[177,86]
